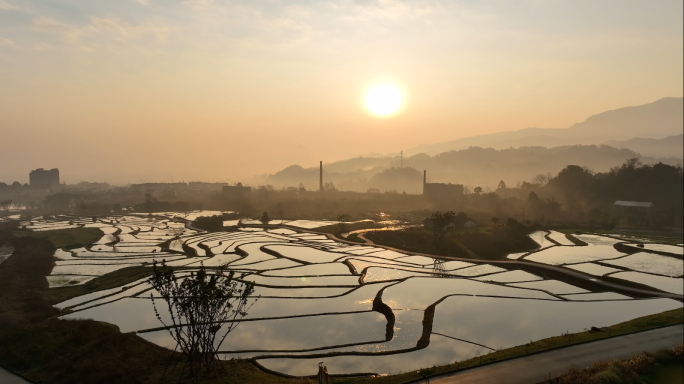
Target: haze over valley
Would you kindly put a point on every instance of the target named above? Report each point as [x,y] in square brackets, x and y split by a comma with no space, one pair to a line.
[652,133]
[341,192]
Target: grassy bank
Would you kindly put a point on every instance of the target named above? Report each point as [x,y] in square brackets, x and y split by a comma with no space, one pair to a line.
[65,238]
[662,367]
[489,243]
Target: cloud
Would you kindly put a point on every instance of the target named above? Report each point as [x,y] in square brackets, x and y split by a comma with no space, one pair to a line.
[143,2]
[383,10]
[100,31]
[5,6]
[6,42]
[200,5]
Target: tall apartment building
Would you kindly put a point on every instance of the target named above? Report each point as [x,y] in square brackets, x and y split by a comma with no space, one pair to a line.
[41,178]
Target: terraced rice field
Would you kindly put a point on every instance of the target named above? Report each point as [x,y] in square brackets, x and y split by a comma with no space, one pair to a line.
[322,300]
[663,270]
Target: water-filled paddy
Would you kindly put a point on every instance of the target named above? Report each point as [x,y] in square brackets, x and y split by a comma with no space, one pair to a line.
[311,303]
[593,269]
[671,249]
[289,335]
[559,238]
[651,263]
[502,323]
[667,284]
[574,255]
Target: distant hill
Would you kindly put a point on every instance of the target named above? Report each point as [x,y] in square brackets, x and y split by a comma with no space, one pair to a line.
[473,166]
[656,120]
[671,146]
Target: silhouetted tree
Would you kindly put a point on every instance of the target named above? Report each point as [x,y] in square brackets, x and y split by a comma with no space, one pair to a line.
[440,220]
[199,306]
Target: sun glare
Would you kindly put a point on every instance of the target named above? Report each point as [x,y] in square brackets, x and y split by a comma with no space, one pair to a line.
[383,99]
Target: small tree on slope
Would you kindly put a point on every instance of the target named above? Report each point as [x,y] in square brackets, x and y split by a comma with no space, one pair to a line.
[199,306]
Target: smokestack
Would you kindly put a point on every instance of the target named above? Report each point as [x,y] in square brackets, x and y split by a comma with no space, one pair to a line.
[320,186]
[424,179]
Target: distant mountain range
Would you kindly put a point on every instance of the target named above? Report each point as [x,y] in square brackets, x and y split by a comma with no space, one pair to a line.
[671,146]
[656,120]
[651,132]
[473,166]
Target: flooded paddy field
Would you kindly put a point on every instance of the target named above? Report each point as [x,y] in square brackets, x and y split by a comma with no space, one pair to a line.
[360,308]
[658,266]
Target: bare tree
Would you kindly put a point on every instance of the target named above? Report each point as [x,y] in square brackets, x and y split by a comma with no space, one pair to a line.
[542,179]
[199,307]
[329,186]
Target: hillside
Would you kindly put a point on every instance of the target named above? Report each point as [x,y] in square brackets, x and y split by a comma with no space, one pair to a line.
[651,121]
[671,146]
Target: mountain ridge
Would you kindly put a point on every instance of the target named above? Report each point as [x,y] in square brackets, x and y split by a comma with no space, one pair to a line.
[662,118]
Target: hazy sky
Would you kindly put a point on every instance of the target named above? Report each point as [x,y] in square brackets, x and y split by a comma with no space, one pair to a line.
[215,90]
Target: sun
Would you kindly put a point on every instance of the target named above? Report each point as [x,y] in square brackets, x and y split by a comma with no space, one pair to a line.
[383,99]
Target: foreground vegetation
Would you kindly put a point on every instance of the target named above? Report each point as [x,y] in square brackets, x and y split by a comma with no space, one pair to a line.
[662,367]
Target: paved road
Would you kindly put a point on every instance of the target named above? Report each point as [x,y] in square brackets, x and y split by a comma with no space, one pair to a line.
[7,377]
[536,368]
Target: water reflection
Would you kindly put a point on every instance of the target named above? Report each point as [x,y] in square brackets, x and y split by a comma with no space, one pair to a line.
[441,351]
[502,323]
[294,334]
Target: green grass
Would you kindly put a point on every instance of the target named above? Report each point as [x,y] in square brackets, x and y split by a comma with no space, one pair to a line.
[667,374]
[65,238]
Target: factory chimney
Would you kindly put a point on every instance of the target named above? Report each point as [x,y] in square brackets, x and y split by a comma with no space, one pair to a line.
[320,186]
[424,179]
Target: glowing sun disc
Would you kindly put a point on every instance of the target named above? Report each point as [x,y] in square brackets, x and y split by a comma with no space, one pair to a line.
[383,100]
